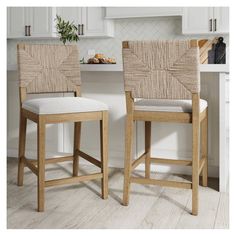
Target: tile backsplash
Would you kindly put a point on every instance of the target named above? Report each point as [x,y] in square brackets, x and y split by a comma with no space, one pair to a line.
[125,29]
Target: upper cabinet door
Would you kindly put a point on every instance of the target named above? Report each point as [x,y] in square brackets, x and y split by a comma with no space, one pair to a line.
[89,20]
[197,20]
[16,21]
[41,21]
[94,24]
[221,20]
[72,14]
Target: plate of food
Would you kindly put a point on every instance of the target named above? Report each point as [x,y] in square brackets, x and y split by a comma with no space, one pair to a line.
[101,59]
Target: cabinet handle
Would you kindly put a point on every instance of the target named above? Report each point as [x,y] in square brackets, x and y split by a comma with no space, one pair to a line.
[215,25]
[29,33]
[82,33]
[26,30]
[78,29]
[210,25]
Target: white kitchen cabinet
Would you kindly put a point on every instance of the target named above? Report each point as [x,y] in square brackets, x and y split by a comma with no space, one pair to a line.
[72,14]
[95,25]
[127,12]
[205,20]
[40,20]
[221,17]
[197,20]
[16,21]
[90,20]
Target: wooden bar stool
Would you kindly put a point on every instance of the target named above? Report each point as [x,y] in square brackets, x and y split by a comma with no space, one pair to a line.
[165,76]
[53,69]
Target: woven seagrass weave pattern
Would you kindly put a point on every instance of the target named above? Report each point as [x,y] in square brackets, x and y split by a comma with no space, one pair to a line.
[48,68]
[161,69]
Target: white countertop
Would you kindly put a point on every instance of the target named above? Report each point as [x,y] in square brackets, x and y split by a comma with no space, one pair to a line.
[224,68]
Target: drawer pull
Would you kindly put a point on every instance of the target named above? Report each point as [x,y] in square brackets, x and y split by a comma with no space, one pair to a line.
[215,29]
[210,25]
[82,33]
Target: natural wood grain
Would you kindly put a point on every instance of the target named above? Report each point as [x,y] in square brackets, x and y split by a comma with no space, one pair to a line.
[203,114]
[147,148]
[179,117]
[21,154]
[202,163]
[129,129]
[194,43]
[53,160]
[31,166]
[138,161]
[170,161]
[77,137]
[204,149]
[41,163]
[104,153]
[164,183]
[77,92]
[125,44]
[23,94]
[72,180]
[68,117]
[195,150]
[30,115]
[42,120]
[90,159]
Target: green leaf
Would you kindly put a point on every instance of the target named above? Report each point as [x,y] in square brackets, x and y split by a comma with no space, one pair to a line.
[66,30]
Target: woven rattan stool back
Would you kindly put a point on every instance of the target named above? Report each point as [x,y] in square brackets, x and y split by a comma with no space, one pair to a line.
[48,68]
[161,69]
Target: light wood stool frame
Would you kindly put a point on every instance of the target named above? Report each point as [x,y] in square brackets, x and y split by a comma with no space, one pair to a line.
[199,121]
[38,166]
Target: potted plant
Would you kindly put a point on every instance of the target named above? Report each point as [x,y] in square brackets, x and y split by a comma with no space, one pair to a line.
[66,30]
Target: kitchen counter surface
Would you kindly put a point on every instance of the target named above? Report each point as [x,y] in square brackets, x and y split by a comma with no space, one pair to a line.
[119,68]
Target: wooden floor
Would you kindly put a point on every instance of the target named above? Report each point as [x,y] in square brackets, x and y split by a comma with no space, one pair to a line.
[80,206]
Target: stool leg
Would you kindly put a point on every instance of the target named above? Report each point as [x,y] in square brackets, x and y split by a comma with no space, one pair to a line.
[128,157]
[21,155]
[77,136]
[104,153]
[195,167]
[41,164]
[204,145]
[147,148]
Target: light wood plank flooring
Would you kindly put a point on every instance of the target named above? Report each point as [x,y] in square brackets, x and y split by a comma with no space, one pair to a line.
[79,206]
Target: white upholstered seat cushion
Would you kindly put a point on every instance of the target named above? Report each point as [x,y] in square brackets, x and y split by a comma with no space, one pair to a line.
[60,105]
[167,105]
